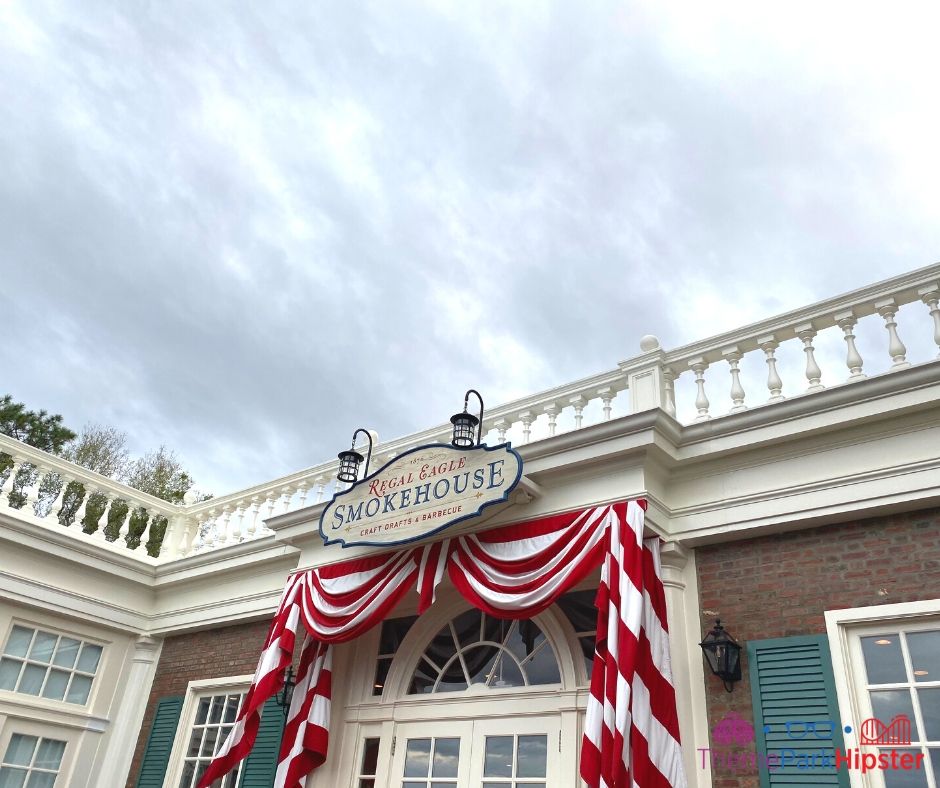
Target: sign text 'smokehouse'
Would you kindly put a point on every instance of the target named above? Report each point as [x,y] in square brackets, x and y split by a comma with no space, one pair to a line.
[419,493]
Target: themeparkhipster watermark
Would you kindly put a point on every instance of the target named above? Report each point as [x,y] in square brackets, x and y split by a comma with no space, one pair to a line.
[733,735]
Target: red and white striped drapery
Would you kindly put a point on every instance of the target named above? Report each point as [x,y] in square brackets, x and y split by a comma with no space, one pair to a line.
[631,737]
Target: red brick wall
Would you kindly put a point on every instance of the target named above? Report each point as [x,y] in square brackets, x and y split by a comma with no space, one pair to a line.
[781,585]
[214,653]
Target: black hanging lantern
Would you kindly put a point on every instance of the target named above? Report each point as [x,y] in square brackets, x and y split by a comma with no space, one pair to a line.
[284,697]
[350,459]
[468,429]
[723,654]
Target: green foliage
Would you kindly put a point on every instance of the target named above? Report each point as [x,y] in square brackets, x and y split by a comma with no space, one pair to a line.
[35,428]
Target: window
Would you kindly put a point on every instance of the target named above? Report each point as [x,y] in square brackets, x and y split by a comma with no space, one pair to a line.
[393,633]
[433,761]
[31,762]
[477,649]
[215,715]
[902,677]
[370,762]
[578,607]
[508,759]
[48,665]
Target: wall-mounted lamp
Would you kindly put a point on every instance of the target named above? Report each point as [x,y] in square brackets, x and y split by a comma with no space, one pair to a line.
[723,654]
[468,429]
[349,460]
[283,698]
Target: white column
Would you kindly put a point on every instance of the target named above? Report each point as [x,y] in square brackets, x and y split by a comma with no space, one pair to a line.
[552,412]
[930,295]
[807,334]
[698,366]
[733,357]
[578,402]
[888,308]
[680,584]
[113,761]
[527,417]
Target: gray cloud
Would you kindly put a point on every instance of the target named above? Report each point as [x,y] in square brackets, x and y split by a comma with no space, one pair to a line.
[243,234]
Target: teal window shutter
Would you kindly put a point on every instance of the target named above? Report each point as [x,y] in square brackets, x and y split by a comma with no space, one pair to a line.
[261,764]
[792,682]
[166,719]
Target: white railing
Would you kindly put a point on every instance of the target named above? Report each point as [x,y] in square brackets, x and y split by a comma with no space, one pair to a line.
[56,493]
[655,378]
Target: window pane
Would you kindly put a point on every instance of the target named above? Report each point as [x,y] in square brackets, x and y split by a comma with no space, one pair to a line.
[208,742]
[414,785]
[195,743]
[66,653]
[883,661]
[231,708]
[12,778]
[9,673]
[393,633]
[50,754]
[467,625]
[43,646]
[531,756]
[925,655]
[506,672]
[588,646]
[40,780]
[446,756]
[55,685]
[32,678]
[930,709]
[935,760]
[215,713]
[88,661]
[417,757]
[423,679]
[905,778]
[480,662]
[578,607]
[78,690]
[202,714]
[381,674]
[18,644]
[497,757]
[543,667]
[370,756]
[368,783]
[888,704]
[20,750]
[189,772]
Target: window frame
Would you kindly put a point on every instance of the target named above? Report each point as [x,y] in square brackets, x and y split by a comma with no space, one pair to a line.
[69,735]
[845,629]
[195,691]
[59,632]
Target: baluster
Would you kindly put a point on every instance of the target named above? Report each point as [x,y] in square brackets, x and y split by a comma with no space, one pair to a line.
[698,366]
[669,378]
[606,394]
[302,489]
[853,359]
[769,346]
[145,535]
[32,492]
[80,514]
[552,411]
[125,529]
[238,521]
[99,533]
[931,297]
[10,481]
[56,509]
[578,402]
[321,485]
[224,535]
[502,427]
[270,500]
[253,520]
[807,333]
[526,417]
[286,495]
[733,357]
[202,530]
[888,309]
[212,529]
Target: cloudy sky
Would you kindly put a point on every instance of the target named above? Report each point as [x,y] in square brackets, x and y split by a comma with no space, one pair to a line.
[242,230]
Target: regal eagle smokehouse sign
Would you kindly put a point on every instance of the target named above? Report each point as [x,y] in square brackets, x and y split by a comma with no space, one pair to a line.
[420,493]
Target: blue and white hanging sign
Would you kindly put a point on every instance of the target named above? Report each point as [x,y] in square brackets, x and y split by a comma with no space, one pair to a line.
[420,493]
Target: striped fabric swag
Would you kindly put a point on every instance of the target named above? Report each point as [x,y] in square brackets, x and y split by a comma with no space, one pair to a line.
[631,737]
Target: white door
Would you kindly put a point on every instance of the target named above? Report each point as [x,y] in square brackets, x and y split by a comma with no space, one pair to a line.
[518,752]
[432,755]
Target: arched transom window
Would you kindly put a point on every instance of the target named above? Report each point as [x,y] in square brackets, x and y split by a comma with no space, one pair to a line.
[477,650]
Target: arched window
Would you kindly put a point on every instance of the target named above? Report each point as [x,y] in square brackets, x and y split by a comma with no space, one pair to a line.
[477,650]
